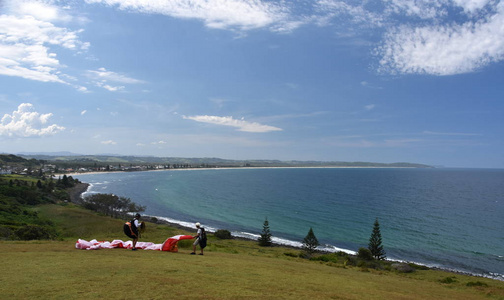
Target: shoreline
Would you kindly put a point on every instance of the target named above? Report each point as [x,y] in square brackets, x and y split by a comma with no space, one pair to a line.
[82,188]
[228,168]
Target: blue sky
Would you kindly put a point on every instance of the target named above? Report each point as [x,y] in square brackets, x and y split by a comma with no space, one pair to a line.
[379,81]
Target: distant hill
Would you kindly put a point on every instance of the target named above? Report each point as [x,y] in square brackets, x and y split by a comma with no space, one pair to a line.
[210,161]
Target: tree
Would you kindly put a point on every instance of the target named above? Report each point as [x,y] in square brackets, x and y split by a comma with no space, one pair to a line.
[375,242]
[310,242]
[112,205]
[265,238]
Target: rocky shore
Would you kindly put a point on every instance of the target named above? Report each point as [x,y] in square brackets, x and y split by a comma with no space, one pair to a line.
[77,191]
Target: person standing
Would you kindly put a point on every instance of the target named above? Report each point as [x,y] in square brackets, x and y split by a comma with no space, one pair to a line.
[200,239]
[131,229]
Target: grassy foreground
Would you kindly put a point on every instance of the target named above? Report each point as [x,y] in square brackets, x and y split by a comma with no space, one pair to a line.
[230,269]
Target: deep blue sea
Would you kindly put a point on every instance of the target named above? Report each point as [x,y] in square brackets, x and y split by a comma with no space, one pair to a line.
[447,218]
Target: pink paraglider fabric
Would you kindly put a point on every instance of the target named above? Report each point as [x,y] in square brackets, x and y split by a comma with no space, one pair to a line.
[169,245]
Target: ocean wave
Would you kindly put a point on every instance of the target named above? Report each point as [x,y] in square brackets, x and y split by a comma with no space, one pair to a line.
[326,248]
[253,236]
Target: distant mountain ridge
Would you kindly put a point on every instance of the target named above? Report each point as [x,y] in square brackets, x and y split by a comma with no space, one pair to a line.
[210,161]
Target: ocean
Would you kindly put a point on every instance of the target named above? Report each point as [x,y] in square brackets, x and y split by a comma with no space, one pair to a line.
[446,218]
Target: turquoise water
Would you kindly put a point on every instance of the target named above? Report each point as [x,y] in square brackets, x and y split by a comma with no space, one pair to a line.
[447,218]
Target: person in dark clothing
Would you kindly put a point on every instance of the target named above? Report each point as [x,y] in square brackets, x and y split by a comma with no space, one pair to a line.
[200,239]
[131,229]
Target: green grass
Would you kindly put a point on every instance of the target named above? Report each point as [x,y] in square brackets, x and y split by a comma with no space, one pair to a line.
[230,269]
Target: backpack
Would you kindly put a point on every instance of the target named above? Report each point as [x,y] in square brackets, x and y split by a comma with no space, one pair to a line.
[203,238]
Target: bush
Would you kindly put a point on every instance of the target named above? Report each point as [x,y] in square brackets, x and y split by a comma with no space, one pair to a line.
[403,268]
[331,257]
[34,232]
[5,232]
[290,254]
[477,283]
[223,234]
[365,254]
[451,279]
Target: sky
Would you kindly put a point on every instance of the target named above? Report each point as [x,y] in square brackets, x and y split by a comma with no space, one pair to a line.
[418,81]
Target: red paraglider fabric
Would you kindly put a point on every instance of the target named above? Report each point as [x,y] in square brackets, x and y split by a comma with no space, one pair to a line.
[169,245]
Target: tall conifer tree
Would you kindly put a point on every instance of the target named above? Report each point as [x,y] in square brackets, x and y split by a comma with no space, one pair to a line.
[310,242]
[375,242]
[265,238]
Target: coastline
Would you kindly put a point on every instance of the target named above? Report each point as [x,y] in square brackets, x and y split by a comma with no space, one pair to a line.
[81,188]
[73,174]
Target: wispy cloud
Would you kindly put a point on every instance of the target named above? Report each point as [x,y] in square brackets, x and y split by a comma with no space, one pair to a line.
[109,142]
[447,49]
[27,39]
[26,122]
[230,14]
[103,74]
[450,133]
[44,11]
[242,125]
[102,77]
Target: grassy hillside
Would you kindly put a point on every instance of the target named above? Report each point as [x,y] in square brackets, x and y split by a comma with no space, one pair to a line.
[230,269]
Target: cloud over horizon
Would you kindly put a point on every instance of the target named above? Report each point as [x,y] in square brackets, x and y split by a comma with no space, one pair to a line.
[26,122]
[242,125]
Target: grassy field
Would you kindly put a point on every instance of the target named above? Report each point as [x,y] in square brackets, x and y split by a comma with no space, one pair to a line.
[230,269]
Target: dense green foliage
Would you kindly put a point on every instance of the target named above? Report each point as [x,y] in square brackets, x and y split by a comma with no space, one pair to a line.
[375,242]
[365,254]
[112,205]
[265,238]
[19,195]
[223,234]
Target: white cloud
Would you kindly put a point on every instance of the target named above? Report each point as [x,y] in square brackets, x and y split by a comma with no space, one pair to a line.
[83,112]
[450,133]
[220,14]
[102,76]
[445,49]
[81,89]
[354,13]
[25,122]
[41,10]
[370,107]
[242,125]
[472,5]
[27,38]
[109,142]
[420,8]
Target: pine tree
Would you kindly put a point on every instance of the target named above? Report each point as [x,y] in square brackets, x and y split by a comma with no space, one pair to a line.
[375,242]
[265,238]
[310,242]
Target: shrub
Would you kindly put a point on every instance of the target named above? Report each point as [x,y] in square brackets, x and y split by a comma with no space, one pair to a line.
[34,232]
[291,254]
[450,279]
[223,234]
[403,268]
[477,283]
[5,232]
[332,257]
[365,254]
